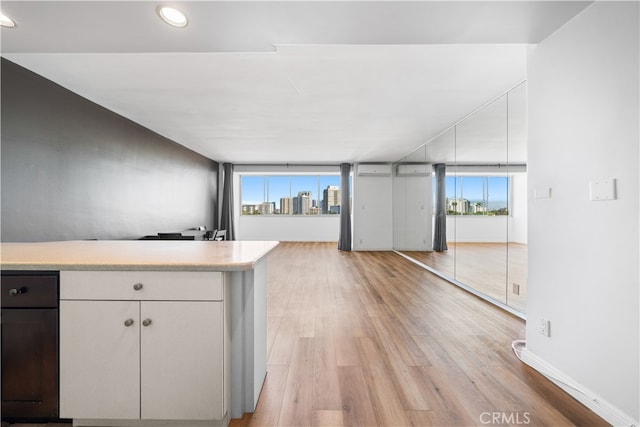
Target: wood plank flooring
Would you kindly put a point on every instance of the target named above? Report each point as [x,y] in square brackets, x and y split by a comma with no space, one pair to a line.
[370,339]
[491,268]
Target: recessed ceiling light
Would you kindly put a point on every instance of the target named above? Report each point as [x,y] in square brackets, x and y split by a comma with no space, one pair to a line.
[5,21]
[172,16]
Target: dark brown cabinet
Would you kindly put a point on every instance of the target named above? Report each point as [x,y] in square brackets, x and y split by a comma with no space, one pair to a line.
[29,345]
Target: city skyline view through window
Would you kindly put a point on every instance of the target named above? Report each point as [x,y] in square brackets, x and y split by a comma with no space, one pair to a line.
[477,195]
[321,194]
[290,194]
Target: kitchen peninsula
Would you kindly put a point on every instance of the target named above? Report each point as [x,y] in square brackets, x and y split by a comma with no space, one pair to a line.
[155,332]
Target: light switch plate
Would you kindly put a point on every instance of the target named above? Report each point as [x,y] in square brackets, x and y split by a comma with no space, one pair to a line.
[542,193]
[602,189]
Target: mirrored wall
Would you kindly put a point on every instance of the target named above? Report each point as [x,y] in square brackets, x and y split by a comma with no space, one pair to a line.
[482,225]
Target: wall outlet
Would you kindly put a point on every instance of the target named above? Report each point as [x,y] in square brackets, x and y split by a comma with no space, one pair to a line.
[516,289]
[544,327]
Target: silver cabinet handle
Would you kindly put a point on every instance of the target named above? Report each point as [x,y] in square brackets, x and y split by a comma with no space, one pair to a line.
[128,322]
[14,292]
[137,286]
[146,322]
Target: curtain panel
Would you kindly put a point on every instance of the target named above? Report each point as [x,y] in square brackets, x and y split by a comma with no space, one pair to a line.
[440,232]
[226,215]
[344,241]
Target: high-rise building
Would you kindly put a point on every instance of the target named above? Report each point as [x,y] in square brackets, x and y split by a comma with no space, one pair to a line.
[267,208]
[302,203]
[477,208]
[286,206]
[458,205]
[248,209]
[331,199]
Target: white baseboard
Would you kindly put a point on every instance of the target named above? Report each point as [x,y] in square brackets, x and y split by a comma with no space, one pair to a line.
[600,406]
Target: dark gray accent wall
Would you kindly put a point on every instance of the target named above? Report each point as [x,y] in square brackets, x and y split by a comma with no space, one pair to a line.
[72,169]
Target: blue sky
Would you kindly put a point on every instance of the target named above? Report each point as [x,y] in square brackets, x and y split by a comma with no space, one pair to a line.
[473,187]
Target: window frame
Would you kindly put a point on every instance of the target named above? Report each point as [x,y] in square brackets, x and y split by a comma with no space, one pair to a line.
[317,193]
[459,193]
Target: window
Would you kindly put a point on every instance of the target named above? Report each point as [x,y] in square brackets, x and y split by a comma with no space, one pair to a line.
[477,195]
[290,194]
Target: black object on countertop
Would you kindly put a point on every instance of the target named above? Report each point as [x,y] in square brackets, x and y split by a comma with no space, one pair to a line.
[168,236]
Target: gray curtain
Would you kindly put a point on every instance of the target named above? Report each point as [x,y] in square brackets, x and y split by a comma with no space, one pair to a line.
[216,198]
[226,216]
[344,242]
[440,232]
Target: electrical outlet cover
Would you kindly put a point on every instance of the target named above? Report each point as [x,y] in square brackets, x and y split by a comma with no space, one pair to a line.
[602,189]
[543,327]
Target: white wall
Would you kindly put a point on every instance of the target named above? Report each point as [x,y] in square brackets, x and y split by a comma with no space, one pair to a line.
[372,213]
[289,228]
[471,228]
[584,255]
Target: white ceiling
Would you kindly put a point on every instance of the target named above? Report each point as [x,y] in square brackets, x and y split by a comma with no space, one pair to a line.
[286,82]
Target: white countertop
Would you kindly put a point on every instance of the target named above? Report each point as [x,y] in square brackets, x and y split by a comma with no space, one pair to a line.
[144,255]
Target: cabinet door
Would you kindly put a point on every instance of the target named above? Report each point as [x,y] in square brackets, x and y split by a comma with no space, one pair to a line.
[100,359]
[181,360]
[30,363]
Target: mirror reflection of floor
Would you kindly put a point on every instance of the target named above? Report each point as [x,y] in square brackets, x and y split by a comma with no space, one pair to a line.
[498,270]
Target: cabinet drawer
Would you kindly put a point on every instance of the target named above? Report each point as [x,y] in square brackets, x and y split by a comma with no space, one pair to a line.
[141,285]
[29,291]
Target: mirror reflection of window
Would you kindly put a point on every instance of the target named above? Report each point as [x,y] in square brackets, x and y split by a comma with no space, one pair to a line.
[477,195]
[486,201]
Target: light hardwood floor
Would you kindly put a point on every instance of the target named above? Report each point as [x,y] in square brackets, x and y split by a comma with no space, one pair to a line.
[491,268]
[371,339]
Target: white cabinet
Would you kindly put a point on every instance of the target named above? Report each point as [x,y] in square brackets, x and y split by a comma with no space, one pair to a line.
[99,359]
[181,362]
[141,354]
